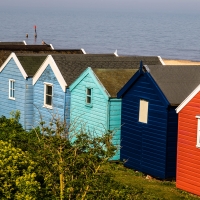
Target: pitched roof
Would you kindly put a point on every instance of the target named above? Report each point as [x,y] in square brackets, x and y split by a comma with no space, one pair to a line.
[31,63]
[20,47]
[114,79]
[176,82]
[33,49]
[12,43]
[71,66]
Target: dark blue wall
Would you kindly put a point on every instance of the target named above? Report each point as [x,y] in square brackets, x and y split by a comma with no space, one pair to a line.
[144,145]
[172,133]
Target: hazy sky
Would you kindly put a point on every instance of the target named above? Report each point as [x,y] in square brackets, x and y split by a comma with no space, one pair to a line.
[108,5]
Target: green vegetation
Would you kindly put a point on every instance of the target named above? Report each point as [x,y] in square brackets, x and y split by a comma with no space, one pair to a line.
[48,163]
[147,187]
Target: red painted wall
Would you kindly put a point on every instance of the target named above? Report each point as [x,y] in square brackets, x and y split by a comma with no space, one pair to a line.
[188,155]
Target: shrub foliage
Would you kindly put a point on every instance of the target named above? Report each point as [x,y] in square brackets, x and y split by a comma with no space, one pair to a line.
[48,163]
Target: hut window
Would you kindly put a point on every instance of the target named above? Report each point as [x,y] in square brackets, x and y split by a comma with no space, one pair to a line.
[48,95]
[12,89]
[143,111]
[88,96]
[198,131]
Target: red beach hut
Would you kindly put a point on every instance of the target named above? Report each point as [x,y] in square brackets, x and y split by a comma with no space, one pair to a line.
[188,152]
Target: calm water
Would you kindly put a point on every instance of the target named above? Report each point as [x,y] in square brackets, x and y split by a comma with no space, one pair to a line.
[167,35]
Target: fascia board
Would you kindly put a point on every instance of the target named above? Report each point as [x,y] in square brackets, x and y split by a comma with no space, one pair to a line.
[95,79]
[14,57]
[158,90]
[161,60]
[83,50]
[50,61]
[79,79]
[188,99]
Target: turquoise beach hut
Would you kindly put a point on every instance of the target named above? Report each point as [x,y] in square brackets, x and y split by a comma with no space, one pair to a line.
[94,102]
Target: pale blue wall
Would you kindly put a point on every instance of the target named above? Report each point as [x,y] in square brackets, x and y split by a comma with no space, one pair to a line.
[23,92]
[58,99]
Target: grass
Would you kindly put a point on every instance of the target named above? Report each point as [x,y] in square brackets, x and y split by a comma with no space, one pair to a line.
[147,188]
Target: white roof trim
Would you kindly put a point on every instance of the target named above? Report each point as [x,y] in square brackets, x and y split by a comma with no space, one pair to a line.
[24,42]
[84,52]
[50,61]
[115,53]
[186,101]
[161,60]
[51,46]
[14,57]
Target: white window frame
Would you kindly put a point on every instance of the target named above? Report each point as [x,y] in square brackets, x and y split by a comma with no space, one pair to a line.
[143,111]
[198,131]
[90,96]
[11,88]
[45,94]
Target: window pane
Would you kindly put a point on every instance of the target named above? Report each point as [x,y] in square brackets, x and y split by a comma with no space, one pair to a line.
[10,92]
[88,91]
[48,100]
[49,89]
[13,85]
[13,94]
[88,99]
[143,112]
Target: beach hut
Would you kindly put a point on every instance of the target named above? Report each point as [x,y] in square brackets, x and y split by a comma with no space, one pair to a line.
[94,102]
[188,152]
[58,72]
[149,120]
[16,91]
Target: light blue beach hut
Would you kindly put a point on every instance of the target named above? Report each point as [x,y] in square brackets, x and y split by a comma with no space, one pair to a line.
[94,102]
[16,91]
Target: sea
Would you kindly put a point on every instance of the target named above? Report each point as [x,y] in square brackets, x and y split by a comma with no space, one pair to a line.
[169,35]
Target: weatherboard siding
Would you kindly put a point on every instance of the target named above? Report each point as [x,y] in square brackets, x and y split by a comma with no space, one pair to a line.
[104,114]
[188,162]
[92,118]
[67,106]
[172,132]
[28,111]
[144,144]
[42,113]
[115,123]
[11,71]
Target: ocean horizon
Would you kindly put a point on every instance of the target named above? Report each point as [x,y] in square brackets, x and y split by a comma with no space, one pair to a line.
[169,35]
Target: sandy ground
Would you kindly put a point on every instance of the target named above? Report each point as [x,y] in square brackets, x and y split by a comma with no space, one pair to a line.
[180,62]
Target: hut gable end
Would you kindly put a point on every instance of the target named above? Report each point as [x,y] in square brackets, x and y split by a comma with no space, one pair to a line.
[188,153]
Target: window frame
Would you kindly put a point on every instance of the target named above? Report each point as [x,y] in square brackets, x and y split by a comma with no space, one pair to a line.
[45,95]
[90,96]
[11,88]
[143,112]
[198,131]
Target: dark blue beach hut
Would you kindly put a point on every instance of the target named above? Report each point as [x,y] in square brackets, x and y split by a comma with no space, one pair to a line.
[149,121]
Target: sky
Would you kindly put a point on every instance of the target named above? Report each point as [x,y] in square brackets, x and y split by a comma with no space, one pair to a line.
[184,6]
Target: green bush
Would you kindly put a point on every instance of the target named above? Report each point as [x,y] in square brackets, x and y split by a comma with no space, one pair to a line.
[17,176]
[62,168]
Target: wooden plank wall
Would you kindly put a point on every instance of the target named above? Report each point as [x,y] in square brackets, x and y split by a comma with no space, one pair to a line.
[11,71]
[91,118]
[172,134]
[28,111]
[144,145]
[115,123]
[188,162]
[58,99]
